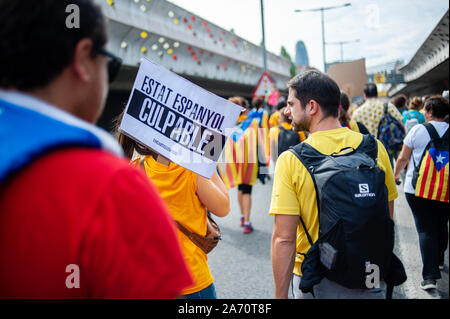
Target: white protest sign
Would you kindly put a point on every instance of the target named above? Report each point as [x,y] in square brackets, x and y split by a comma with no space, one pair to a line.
[178,119]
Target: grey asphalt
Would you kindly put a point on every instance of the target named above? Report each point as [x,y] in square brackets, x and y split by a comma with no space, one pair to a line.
[241,264]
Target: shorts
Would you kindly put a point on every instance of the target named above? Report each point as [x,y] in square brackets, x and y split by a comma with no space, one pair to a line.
[207,293]
[245,188]
[328,289]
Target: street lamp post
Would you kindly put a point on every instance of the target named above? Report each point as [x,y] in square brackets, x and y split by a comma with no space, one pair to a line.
[322,10]
[263,37]
[341,43]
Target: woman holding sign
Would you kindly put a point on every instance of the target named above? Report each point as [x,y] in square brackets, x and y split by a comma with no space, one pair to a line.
[188,197]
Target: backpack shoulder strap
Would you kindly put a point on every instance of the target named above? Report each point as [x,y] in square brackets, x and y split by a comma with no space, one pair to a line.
[445,136]
[432,131]
[362,128]
[369,146]
[309,157]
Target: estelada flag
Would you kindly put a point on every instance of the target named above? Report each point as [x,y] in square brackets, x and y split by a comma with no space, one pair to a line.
[431,178]
[247,147]
[240,158]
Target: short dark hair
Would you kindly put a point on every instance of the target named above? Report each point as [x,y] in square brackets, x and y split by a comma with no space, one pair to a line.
[370,90]
[317,86]
[281,103]
[438,106]
[36,45]
[399,101]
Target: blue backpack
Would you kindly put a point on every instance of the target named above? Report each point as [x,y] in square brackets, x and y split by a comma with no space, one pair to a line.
[390,132]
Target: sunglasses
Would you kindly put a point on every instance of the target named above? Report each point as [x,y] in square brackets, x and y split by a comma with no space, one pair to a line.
[114,64]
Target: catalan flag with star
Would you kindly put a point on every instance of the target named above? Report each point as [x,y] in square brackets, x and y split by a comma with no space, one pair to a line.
[433,177]
[247,146]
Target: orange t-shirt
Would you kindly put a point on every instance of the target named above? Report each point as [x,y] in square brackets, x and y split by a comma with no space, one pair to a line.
[178,187]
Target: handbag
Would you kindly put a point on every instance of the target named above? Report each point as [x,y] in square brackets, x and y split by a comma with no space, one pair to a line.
[205,243]
[213,234]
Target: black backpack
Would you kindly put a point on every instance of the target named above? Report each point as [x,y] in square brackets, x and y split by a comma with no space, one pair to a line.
[355,228]
[286,139]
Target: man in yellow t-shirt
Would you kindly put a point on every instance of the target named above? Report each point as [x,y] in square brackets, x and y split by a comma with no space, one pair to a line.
[274,119]
[313,106]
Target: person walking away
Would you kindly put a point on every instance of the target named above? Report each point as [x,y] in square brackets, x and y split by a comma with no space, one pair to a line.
[383,120]
[188,197]
[282,137]
[413,116]
[274,118]
[258,124]
[400,102]
[309,233]
[245,172]
[76,221]
[344,117]
[241,102]
[426,152]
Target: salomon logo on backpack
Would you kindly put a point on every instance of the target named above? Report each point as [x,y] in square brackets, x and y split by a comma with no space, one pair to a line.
[354,220]
[430,177]
[286,139]
[390,132]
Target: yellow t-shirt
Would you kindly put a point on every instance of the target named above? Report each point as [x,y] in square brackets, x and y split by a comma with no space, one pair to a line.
[275,131]
[274,119]
[353,126]
[293,190]
[241,118]
[178,187]
[273,136]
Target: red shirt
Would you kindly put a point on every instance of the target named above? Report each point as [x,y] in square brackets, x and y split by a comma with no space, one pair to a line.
[87,208]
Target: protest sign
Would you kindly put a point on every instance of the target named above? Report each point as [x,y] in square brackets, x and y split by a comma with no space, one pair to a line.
[178,119]
[350,76]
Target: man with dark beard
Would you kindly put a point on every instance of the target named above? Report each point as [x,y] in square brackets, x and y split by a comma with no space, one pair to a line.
[313,105]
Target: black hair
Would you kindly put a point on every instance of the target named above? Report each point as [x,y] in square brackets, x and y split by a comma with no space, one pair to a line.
[344,118]
[317,86]
[370,90]
[281,103]
[258,102]
[36,44]
[399,101]
[438,106]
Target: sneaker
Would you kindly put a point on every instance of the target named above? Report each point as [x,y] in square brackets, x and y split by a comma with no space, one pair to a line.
[248,229]
[242,221]
[441,267]
[428,284]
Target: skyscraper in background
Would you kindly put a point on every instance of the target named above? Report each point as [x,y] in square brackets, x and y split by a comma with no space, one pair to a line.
[301,55]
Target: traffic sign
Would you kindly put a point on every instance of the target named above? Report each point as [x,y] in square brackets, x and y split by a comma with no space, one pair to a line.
[265,86]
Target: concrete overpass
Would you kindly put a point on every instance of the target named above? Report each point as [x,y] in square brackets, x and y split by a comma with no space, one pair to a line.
[427,72]
[186,44]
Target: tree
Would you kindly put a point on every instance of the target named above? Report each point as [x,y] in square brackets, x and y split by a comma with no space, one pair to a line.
[285,54]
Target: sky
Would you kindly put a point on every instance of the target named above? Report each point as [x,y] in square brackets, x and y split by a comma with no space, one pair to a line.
[386,30]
